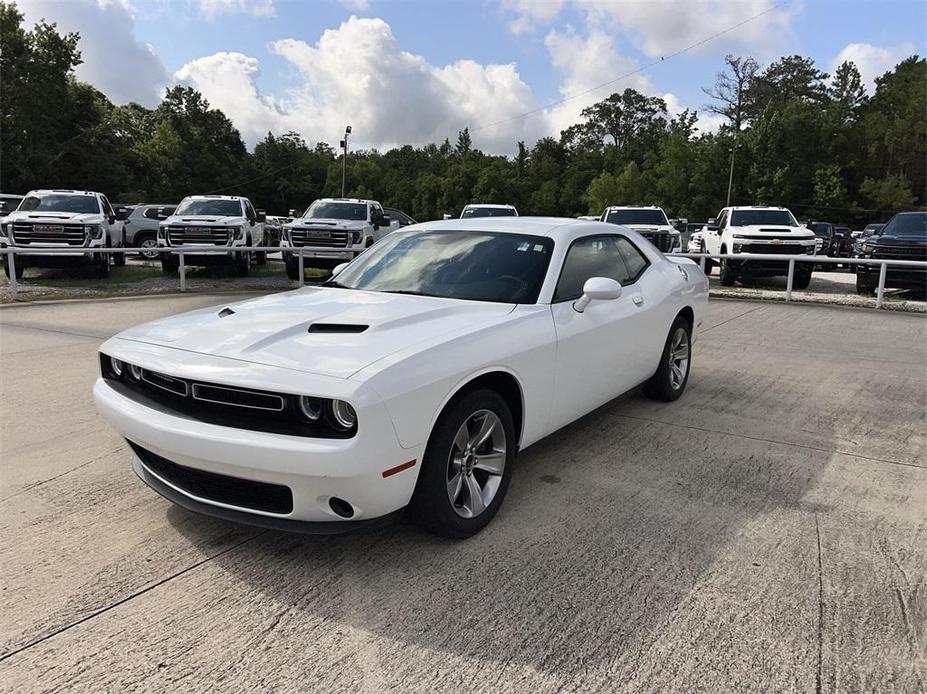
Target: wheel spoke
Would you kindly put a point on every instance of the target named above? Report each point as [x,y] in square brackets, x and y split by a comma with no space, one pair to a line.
[677,374]
[493,463]
[454,485]
[475,495]
[462,438]
[485,431]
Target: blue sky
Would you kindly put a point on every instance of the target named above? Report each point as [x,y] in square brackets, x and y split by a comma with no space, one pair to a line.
[418,71]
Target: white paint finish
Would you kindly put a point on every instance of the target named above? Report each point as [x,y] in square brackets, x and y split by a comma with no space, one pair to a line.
[399,373]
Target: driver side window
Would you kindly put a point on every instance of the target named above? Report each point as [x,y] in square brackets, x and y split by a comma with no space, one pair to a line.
[722,220]
[594,256]
[249,211]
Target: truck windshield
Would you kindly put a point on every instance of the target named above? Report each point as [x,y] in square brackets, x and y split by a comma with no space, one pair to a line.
[745,218]
[822,229]
[475,265]
[909,224]
[80,204]
[637,217]
[471,212]
[355,211]
[209,207]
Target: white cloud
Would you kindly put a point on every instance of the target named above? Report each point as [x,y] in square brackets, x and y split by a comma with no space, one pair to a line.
[356,5]
[115,62]
[871,61]
[357,74]
[255,8]
[530,13]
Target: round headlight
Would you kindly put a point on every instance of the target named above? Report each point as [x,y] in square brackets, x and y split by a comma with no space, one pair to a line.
[310,408]
[343,414]
[116,366]
[135,372]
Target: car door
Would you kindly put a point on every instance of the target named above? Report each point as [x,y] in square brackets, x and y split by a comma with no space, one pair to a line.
[607,349]
[713,236]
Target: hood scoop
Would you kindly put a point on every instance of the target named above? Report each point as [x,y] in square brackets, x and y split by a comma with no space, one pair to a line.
[48,216]
[344,328]
[226,312]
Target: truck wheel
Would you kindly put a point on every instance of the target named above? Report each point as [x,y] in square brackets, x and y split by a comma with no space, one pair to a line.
[260,258]
[801,279]
[19,269]
[243,262]
[670,380]
[727,273]
[170,263]
[103,261]
[119,259]
[708,261]
[292,269]
[864,285]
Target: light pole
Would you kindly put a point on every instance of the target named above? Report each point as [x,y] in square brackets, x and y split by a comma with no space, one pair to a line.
[344,158]
[730,178]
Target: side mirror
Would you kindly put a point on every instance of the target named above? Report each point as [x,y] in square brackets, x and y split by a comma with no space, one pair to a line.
[111,219]
[712,224]
[385,220]
[3,208]
[291,213]
[597,289]
[261,216]
[121,214]
[339,268]
[445,216]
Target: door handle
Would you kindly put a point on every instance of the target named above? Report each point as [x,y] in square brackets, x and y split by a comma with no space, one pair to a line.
[638,300]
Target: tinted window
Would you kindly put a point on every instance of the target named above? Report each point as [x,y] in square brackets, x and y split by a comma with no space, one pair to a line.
[53,202]
[209,207]
[470,212]
[634,260]
[249,211]
[636,217]
[907,224]
[596,256]
[337,210]
[153,212]
[743,218]
[822,229]
[483,266]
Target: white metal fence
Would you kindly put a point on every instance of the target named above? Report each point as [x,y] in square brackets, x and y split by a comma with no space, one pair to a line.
[10,253]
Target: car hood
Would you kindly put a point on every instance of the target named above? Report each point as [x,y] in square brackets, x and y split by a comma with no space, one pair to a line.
[349,224]
[760,229]
[319,330]
[55,217]
[897,241]
[203,219]
[663,229]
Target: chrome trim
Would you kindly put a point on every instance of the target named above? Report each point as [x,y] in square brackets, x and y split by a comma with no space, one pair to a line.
[240,390]
[186,386]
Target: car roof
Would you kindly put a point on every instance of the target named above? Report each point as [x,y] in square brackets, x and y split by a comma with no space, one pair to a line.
[563,228]
[214,197]
[633,207]
[490,204]
[756,207]
[360,200]
[62,191]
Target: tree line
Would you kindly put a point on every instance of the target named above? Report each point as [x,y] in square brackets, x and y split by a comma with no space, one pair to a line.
[799,137]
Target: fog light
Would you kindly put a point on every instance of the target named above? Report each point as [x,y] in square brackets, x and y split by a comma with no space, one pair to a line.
[116,366]
[343,414]
[310,408]
[738,247]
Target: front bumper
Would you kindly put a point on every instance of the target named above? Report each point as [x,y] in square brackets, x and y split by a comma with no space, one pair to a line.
[343,254]
[64,255]
[314,470]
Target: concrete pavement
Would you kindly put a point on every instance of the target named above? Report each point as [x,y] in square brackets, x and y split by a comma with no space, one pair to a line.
[766,532]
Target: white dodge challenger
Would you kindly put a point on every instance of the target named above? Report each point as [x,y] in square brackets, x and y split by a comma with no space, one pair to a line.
[408,382]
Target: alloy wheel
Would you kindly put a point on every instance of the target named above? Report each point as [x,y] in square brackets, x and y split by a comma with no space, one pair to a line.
[679,358]
[148,249]
[476,463]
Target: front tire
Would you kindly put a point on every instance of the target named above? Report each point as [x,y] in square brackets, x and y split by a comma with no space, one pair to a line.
[20,270]
[243,262]
[170,263]
[103,262]
[727,273]
[801,279]
[669,382]
[292,269]
[863,285]
[467,466]
[119,259]
[148,247]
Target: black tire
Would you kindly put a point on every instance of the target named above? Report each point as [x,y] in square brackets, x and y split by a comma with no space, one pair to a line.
[20,270]
[170,263]
[102,264]
[431,506]
[119,259]
[243,262]
[662,385]
[260,258]
[801,279]
[708,262]
[864,286]
[147,246]
[727,274]
[292,269]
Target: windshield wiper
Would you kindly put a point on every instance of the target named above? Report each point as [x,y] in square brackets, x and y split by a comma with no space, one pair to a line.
[409,292]
[336,284]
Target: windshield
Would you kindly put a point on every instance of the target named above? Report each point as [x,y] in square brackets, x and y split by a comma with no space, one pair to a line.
[908,224]
[820,229]
[209,207]
[80,204]
[636,217]
[337,210]
[744,218]
[470,212]
[481,266]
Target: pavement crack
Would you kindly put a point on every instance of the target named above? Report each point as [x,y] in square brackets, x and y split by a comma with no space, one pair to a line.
[126,599]
[739,315]
[818,679]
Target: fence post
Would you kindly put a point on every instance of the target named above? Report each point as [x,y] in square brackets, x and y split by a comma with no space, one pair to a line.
[881,290]
[183,272]
[11,264]
[788,285]
[302,277]
[701,263]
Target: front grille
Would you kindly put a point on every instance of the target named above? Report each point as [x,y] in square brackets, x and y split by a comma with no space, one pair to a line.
[198,236]
[323,238]
[774,249]
[662,240]
[25,234]
[900,252]
[234,491]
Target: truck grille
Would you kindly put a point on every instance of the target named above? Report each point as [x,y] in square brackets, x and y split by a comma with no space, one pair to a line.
[324,238]
[662,240]
[25,234]
[900,252]
[774,249]
[198,236]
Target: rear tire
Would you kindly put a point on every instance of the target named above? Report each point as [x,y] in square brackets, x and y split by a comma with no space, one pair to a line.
[672,376]
[170,263]
[292,270]
[467,466]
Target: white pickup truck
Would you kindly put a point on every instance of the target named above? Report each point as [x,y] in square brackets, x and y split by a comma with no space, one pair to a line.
[208,221]
[759,230]
[62,219]
[334,231]
[649,222]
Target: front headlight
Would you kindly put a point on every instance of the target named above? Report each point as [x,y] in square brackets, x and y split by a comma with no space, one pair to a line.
[865,248]
[237,232]
[162,233]
[6,229]
[343,414]
[355,237]
[288,235]
[93,231]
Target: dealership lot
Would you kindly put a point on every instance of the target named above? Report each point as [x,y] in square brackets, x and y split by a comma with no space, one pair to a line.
[767,532]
